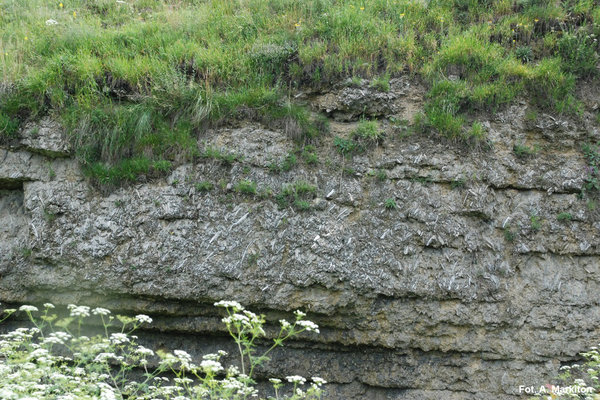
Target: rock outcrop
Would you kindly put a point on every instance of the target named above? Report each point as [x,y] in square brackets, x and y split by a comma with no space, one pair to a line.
[469,288]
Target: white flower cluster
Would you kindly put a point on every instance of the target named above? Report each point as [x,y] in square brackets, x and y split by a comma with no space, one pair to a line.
[79,311]
[81,372]
[57,338]
[318,381]
[229,304]
[214,357]
[183,381]
[284,324]
[143,351]
[119,338]
[211,366]
[100,311]
[103,357]
[309,325]
[20,334]
[233,370]
[106,392]
[41,355]
[183,356]
[296,379]
[142,318]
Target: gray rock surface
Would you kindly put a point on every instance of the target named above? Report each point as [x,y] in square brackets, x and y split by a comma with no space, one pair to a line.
[468,289]
[47,137]
[349,100]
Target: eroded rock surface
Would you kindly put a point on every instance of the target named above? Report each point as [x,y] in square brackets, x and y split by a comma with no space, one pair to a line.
[468,289]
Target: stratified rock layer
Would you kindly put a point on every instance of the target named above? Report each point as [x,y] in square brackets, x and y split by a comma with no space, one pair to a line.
[468,289]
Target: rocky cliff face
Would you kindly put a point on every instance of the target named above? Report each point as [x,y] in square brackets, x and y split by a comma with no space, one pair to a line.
[467,289]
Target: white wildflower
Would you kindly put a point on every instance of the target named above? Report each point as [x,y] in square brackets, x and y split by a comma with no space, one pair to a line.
[232,384]
[296,379]
[144,351]
[183,356]
[48,305]
[142,318]
[119,338]
[229,304]
[233,370]
[100,311]
[27,308]
[106,392]
[237,318]
[309,326]
[51,22]
[79,311]
[168,360]
[201,391]
[211,366]
[38,353]
[102,357]
[275,381]
[318,381]
[61,335]
[284,324]
[299,314]
[52,340]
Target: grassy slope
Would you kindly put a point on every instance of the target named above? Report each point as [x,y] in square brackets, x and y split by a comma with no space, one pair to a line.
[134,82]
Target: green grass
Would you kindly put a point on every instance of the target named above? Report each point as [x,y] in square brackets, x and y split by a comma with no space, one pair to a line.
[509,235]
[523,151]
[345,147]
[536,223]
[368,133]
[289,162]
[204,186]
[381,175]
[390,204]
[381,83]
[137,83]
[564,216]
[297,195]
[222,156]
[246,187]
[8,127]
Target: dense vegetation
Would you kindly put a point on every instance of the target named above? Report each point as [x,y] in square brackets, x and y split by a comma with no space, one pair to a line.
[134,82]
[52,359]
